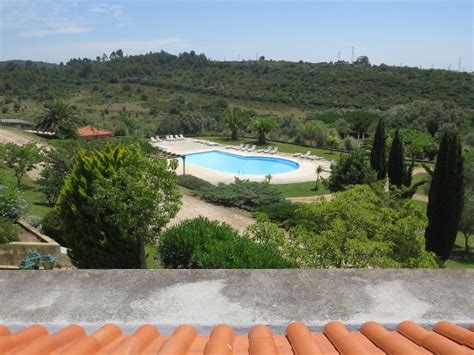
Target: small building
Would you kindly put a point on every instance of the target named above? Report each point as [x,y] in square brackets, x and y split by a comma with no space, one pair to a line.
[13,122]
[93,132]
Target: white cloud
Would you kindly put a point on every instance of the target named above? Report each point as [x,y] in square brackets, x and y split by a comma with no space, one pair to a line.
[115,10]
[55,31]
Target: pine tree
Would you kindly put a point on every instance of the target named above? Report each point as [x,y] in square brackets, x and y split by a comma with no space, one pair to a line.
[396,161]
[446,196]
[378,157]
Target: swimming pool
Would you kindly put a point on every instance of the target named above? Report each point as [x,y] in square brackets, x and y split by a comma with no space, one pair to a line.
[240,164]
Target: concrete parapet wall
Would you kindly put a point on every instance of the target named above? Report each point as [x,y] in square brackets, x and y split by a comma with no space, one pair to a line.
[241,298]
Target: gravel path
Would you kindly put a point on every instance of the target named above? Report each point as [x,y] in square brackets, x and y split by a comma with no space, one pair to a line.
[193,207]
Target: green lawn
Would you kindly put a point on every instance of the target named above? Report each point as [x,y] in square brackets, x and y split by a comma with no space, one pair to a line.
[420,177]
[283,147]
[29,191]
[302,189]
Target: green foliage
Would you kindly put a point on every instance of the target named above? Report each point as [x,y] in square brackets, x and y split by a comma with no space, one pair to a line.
[58,117]
[114,202]
[57,166]
[244,194]
[360,227]
[466,224]
[236,121]
[8,231]
[203,244]
[192,182]
[316,132]
[51,226]
[446,194]
[396,161]
[21,158]
[12,206]
[263,126]
[351,169]
[283,213]
[378,156]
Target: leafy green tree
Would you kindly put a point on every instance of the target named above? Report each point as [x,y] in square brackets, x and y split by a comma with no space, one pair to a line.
[113,203]
[12,205]
[396,161]
[378,156]
[342,126]
[57,166]
[360,227]
[236,120]
[58,117]
[351,169]
[445,198]
[263,126]
[316,132]
[21,158]
[333,142]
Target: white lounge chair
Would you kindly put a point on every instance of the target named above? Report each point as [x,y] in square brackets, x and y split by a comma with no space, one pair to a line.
[158,139]
[181,137]
[274,151]
[245,147]
[176,137]
[236,147]
[252,148]
[305,155]
[262,150]
[297,154]
[153,140]
[213,144]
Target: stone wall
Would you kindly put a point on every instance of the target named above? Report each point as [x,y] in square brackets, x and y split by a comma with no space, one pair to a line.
[11,254]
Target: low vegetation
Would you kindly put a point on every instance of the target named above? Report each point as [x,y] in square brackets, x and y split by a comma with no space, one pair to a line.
[243,194]
[202,244]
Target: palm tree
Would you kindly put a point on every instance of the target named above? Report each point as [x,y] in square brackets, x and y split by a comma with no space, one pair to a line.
[263,125]
[319,170]
[59,117]
[236,121]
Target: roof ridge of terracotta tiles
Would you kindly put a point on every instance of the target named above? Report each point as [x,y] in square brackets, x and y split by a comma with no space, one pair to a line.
[371,338]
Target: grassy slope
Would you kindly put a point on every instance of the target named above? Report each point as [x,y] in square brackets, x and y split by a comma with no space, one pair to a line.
[29,190]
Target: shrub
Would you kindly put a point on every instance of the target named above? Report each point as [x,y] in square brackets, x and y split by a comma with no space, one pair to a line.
[244,194]
[283,213]
[201,244]
[51,226]
[192,182]
[12,206]
[8,231]
[33,220]
[350,144]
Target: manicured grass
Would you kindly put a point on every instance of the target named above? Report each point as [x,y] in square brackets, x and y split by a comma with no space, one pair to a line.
[283,147]
[29,190]
[303,189]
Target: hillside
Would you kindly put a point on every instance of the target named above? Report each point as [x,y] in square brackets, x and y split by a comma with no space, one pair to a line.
[164,93]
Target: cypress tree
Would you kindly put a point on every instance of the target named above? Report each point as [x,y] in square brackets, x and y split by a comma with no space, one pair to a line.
[396,161]
[378,157]
[446,196]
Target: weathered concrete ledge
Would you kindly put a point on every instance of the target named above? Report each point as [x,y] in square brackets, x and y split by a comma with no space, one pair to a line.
[241,298]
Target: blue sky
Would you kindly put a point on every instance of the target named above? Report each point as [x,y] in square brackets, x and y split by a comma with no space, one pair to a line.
[416,32]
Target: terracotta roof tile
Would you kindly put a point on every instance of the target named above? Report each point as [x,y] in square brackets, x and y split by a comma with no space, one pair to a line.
[373,338]
[91,131]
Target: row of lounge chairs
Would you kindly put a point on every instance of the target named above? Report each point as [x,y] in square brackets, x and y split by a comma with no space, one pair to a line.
[168,138]
[307,155]
[253,148]
[205,142]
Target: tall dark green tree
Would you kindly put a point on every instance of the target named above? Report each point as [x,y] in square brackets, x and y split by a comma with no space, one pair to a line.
[446,196]
[396,161]
[378,156]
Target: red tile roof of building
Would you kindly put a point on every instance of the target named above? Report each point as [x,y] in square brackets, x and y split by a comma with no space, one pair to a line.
[91,131]
[372,338]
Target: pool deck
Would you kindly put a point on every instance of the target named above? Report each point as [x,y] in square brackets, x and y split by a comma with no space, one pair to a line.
[306,171]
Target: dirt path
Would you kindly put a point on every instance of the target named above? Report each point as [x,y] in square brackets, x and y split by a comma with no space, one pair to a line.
[20,138]
[193,207]
[310,199]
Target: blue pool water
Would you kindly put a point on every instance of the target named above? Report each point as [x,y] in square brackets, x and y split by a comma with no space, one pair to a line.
[242,165]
